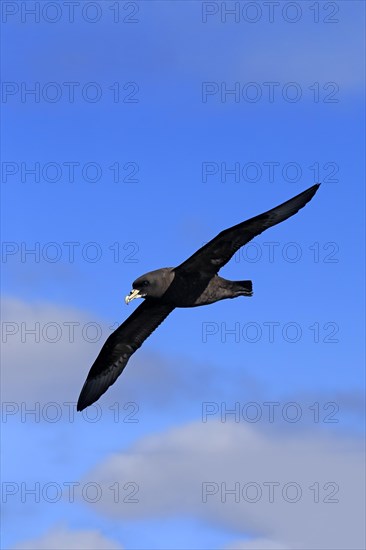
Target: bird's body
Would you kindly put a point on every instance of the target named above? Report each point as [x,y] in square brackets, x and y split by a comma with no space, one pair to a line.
[194,289]
[193,283]
[222,289]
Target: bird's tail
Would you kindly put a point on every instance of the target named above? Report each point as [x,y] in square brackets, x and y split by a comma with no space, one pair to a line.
[243,288]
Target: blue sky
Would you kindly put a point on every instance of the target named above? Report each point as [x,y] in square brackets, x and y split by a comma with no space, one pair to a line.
[133,142]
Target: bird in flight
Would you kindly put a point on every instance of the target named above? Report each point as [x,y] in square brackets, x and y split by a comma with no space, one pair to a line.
[193,283]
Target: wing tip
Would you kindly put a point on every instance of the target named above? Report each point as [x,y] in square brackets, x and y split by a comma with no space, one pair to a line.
[83,402]
[88,395]
[304,197]
[311,191]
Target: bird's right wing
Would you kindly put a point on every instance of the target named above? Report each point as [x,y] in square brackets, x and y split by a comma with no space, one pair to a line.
[216,253]
[119,347]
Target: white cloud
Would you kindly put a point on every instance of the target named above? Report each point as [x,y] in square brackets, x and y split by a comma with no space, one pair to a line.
[170,471]
[61,538]
[37,369]
[256,544]
[34,367]
[42,371]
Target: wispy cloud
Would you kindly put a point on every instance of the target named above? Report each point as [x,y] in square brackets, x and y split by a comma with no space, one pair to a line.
[205,469]
[63,538]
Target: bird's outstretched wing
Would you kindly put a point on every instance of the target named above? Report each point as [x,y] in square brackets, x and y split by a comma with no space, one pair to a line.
[216,253]
[119,347]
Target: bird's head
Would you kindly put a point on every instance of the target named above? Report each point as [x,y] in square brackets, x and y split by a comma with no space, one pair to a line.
[153,284]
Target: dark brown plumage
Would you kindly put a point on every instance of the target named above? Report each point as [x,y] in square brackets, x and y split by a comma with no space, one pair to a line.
[193,283]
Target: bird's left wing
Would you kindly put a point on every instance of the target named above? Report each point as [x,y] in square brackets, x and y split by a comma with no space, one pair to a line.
[119,347]
[216,253]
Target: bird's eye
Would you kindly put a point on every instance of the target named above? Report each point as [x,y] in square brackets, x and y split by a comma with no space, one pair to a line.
[145,283]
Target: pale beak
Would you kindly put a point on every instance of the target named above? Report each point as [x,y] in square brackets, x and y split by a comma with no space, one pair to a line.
[132,295]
